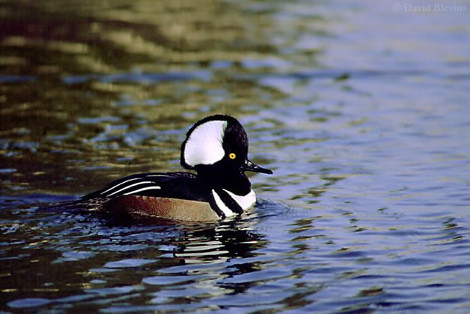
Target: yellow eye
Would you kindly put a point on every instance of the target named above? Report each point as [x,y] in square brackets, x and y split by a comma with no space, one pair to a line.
[232,156]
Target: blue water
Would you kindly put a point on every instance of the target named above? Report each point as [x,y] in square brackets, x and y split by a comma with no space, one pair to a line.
[361,109]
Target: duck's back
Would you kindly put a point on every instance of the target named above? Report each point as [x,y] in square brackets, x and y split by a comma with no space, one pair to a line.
[177,195]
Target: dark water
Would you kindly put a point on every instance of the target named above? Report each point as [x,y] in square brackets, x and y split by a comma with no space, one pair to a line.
[361,108]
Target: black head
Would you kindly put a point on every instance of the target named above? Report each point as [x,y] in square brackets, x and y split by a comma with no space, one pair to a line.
[217,147]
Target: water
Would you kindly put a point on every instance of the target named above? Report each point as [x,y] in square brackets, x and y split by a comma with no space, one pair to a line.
[361,109]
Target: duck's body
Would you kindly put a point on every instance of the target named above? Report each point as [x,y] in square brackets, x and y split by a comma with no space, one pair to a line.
[216,147]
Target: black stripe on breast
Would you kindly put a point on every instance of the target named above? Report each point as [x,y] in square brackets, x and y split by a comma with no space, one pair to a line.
[229,201]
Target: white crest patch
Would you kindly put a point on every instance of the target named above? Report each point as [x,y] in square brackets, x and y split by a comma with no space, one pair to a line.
[204,145]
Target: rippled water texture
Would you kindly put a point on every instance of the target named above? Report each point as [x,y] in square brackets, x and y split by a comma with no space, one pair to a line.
[361,108]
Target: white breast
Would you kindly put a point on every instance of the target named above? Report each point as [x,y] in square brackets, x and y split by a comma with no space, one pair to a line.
[244,201]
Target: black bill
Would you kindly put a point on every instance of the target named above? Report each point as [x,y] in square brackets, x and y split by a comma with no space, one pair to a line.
[250,166]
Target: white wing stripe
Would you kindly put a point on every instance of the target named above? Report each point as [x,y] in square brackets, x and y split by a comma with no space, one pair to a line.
[115,186]
[143,189]
[129,186]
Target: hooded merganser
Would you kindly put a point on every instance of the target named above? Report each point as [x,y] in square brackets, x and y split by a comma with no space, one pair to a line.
[216,147]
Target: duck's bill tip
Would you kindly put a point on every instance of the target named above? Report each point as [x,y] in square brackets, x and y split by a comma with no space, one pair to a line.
[264,170]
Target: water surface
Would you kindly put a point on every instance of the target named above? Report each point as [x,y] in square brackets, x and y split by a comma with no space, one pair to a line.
[361,109]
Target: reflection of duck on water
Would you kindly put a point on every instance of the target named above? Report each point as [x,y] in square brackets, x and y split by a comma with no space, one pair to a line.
[209,256]
[221,241]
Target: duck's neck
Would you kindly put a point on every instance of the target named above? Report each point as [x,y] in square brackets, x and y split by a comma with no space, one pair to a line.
[232,180]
